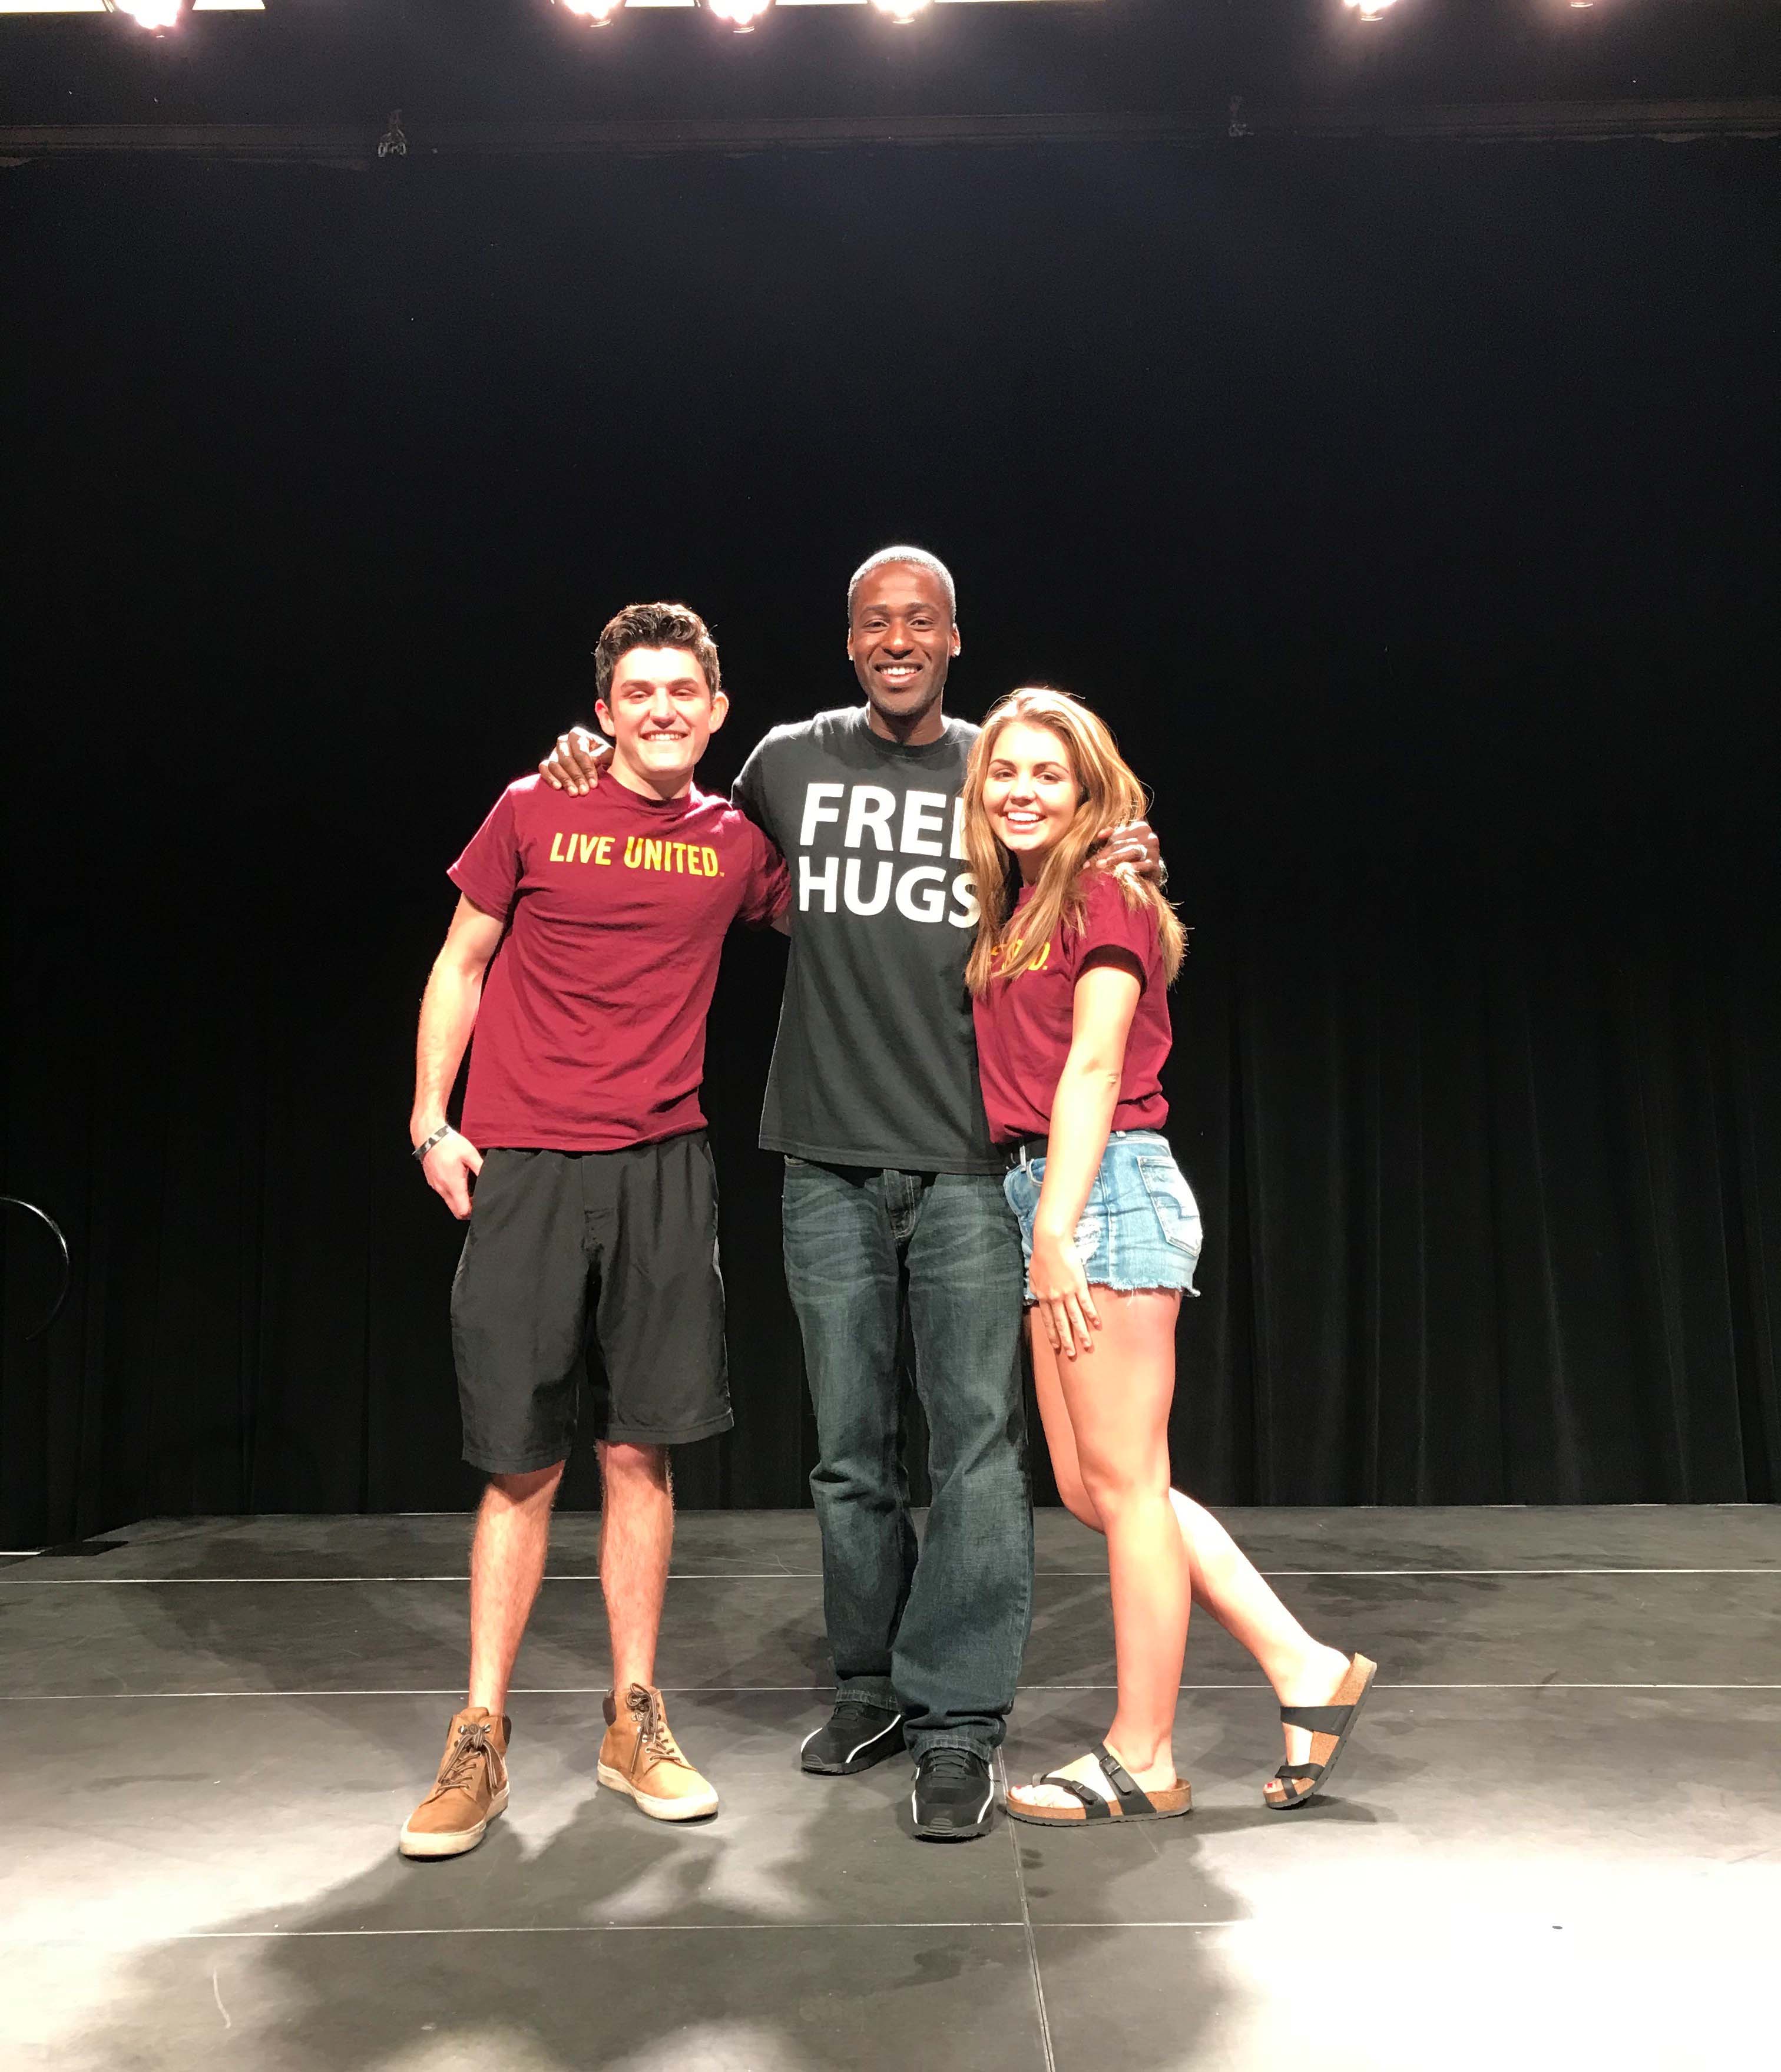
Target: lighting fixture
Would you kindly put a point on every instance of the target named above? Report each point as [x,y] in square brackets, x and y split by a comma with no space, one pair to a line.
[597,14]
[903,11]
[1369,10]
[741,15]
[156,14]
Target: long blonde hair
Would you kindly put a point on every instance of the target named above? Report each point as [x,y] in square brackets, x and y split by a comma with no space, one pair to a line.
[1110,795]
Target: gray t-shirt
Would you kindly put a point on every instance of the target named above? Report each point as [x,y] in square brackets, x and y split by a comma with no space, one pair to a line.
[876,1063]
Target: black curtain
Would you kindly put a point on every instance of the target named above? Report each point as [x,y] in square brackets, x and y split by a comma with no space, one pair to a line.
[1413,517]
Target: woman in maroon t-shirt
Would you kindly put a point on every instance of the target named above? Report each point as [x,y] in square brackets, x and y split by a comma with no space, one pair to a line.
[1070,975]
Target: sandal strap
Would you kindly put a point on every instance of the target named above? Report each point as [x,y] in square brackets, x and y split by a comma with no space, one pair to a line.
[1133,1797]
[1095,1807]
[1288,1771]
[1316,1719]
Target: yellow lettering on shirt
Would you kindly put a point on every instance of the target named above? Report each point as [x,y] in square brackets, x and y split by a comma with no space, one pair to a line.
[573,848]
[641,852]
[1006,952]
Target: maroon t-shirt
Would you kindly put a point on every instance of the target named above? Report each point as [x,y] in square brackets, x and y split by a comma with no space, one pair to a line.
[590,1034]
[1024,1023]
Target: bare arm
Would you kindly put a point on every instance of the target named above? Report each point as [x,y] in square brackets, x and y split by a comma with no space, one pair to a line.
[448,1013]
[1082,1115]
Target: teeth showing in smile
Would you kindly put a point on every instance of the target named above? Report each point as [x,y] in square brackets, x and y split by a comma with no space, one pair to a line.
[1022,819]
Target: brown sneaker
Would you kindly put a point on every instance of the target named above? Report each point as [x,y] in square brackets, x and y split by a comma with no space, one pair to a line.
[469,1791]
[640,1755]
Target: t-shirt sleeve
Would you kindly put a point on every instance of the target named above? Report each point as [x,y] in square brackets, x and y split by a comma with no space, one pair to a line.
[748,794]
[488,873]
[1110,922]
[769,883]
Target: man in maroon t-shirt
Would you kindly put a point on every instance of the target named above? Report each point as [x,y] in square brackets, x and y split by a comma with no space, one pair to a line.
[583,952]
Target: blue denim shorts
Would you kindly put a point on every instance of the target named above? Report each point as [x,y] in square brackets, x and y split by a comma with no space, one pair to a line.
[1140,1227]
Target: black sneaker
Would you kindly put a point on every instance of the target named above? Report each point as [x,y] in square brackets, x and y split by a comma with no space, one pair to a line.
[852,1739]
[952,1795]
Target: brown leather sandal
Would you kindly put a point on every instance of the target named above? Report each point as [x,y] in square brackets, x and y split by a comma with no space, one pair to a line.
[1130,1802]
[1329,1726]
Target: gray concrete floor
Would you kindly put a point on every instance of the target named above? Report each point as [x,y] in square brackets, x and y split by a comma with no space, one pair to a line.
[1556,1836]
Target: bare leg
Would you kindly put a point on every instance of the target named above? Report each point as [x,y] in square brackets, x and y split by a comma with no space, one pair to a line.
[1115,1401]
[507,1563]
[1302,1670]
[636,1538]
[1226,1583]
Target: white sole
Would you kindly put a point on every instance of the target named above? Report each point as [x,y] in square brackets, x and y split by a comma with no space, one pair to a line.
[660,1809]
[853,1754]
[954,1834]
[457,1844]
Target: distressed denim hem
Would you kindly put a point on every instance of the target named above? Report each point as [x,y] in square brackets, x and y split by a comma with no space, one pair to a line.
[873,1691]
[944,1737]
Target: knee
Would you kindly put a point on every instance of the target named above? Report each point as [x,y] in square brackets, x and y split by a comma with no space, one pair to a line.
[628,1467]
[536,1486]
[1113,1487]
[1076,1500]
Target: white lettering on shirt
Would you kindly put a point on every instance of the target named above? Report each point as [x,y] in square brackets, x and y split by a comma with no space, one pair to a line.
[817,810]
[821,880]
[871,806]
[880,889]
[929,902]
[865,816]
[924,817]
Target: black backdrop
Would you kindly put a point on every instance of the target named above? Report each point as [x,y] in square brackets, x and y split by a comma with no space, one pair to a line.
[1412,514]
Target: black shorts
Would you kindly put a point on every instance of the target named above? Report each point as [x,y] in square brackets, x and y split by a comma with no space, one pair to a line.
[631,1233]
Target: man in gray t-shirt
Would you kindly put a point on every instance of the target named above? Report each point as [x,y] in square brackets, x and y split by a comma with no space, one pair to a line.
[890,1181]
[875,1063]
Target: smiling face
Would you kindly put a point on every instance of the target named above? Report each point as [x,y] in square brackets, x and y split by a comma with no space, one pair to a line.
[1030,793]
[900,639]
[660,712]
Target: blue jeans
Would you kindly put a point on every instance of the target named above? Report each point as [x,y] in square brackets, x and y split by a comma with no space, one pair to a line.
[939,1639]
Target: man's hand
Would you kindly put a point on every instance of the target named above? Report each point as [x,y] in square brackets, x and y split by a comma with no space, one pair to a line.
[1136,844]
[1066,1307]
[575,766]
[448,1167]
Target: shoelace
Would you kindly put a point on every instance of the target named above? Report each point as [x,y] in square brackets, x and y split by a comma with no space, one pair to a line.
[950,1762]
[456,1772]
[654,1734]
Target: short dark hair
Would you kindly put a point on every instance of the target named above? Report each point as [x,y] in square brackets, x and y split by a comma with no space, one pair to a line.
[917,558]
[655,626]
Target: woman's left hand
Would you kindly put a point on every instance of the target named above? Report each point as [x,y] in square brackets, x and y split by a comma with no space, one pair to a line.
[1064,1299]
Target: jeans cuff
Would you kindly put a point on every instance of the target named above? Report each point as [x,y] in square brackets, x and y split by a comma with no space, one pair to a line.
[874,1691]
[980,1745]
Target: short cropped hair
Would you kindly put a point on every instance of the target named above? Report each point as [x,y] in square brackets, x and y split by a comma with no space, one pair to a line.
[921,559]
[655,626]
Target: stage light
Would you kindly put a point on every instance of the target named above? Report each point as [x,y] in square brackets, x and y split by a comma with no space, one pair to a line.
[149,14]
[1369,10]
[740,14]
[597,14]
[903,11]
